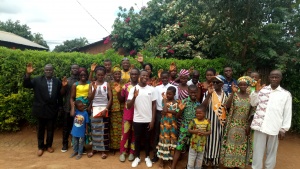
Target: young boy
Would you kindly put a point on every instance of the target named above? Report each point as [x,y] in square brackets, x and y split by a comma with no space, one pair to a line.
[199,128]
[79,129]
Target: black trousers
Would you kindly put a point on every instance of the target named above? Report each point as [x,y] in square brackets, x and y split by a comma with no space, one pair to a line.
[45,124]
[141,130]
[156,130]
[67,127]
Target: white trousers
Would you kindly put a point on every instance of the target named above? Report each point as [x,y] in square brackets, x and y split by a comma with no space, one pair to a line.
[195,159]
[262,141]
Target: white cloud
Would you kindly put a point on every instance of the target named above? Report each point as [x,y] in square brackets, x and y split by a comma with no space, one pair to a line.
[60,20]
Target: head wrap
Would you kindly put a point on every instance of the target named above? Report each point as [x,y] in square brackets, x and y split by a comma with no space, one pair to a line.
[116,69]
[184,72]
[220,78]
[248,80]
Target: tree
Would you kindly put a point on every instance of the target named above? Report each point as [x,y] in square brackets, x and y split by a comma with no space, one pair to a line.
[23,31]
[68,45]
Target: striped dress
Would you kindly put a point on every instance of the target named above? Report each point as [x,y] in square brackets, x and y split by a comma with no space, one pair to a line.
[214,140]
[100,125]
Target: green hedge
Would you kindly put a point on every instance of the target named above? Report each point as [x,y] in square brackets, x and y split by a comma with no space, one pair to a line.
[16,101]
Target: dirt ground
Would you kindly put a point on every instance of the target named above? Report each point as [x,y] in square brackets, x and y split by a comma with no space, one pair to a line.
[18,150]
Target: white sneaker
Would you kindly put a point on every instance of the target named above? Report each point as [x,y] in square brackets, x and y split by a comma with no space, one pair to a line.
[148,162]
[136,162]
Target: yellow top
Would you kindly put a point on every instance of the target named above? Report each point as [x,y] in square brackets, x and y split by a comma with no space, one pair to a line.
[125,76]
[82,90]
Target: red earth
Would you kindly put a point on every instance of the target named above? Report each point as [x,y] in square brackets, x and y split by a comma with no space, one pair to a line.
[18,150]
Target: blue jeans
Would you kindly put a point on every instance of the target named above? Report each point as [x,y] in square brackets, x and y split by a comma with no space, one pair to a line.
[78,143]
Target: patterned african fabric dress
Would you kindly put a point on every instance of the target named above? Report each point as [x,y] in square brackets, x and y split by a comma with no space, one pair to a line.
[116,119]
[168,134]
[189,113]
[214,140]
[100,125]
[234,146]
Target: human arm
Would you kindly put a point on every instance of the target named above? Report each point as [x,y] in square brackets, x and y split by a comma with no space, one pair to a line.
[27,82]
[234,89]
[199,86]
[287,117]
[93,66]
[73,94]
[151,125]
[210,90]
[131,97]
[122,94]
[181,107]
[92,91]
[110,97]
[64,85]
[72,111]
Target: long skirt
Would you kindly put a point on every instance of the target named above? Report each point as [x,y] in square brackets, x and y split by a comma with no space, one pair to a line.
[100,133]
[115,129]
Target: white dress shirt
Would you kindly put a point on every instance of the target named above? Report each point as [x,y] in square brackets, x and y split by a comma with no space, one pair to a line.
[274,110]
[159,90]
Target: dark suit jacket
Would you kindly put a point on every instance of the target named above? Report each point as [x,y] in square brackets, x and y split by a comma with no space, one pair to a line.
[44,106]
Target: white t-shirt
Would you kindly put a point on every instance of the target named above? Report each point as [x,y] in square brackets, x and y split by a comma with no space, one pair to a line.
[190,82]
[159,90]
[143,103]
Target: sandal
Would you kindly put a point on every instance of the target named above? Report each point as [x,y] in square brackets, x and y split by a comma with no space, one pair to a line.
[90,154]
[103,156]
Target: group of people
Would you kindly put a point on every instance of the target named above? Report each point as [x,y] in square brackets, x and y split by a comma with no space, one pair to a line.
[217,121]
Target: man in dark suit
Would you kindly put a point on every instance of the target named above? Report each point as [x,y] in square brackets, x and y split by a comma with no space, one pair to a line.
[46,104]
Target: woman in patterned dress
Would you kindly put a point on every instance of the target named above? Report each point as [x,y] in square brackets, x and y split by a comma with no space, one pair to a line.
[116,110]
[168,127]
[234,147]
[101,96]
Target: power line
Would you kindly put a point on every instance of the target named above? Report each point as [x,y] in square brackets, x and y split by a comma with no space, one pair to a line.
[92,16]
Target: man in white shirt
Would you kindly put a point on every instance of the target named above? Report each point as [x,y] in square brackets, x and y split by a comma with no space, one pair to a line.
[272,118]
[195,78]
[159,90]
[143,98]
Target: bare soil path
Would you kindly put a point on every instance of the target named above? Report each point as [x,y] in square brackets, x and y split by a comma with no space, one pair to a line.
[18,150]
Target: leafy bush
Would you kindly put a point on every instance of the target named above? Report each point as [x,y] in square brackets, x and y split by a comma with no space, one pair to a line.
[16,101]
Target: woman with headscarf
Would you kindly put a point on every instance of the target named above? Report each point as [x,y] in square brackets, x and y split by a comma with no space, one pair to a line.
[234,147]
[174,80]
[116,109]
[216,113]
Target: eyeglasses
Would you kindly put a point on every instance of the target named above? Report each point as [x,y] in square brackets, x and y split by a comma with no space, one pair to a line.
[216,82]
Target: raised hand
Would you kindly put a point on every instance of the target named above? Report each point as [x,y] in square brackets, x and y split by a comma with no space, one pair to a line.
[117,87]
[153,82]
[64,81]
[159,72]
[94,85]
[210,88]
[93,66]
[181,105]
[258,86]
[140,58]
[164,96]
[29,68]
[234,88]
[191,69]
[136,92]
[131,67]
[172,66]
[199,85]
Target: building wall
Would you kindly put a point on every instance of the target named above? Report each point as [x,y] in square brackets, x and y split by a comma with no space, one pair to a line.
[100,47]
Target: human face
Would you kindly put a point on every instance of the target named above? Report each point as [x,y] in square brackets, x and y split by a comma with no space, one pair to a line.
[80,106]
[254,76]
[170,95]
[144,77]
[148,69]
[74,70]
[125,65]
[193,94]
[275,79]
[228,72]
[183,79]
[117,76]
[195,78]
[173,73]
[200,114]
[107,66]
[48,70]
[209,76]
[165,79]
[83,76]
[217,84]
[100,75]
[243,86]
[134,76]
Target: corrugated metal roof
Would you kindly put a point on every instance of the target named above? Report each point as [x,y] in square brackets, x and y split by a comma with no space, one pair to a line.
[13,38]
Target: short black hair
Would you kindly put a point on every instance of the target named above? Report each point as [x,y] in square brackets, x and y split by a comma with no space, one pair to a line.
[101,68]
[107,60]
[211,70]
[172,89]
[77,102]
[164,73]
[136,70]
[201,107]
[192,87]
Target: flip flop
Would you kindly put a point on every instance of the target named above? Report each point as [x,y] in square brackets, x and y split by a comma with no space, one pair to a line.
[90,154]
[103,156]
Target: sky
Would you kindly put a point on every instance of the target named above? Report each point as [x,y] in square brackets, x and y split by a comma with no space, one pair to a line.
[61,20]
